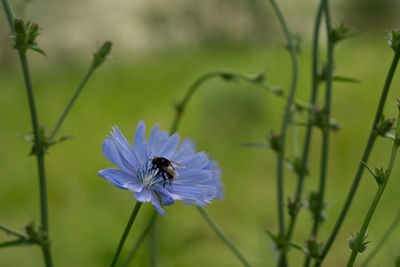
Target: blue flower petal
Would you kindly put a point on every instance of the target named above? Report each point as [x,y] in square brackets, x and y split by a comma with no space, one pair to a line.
[192,194]
[110,151]
[198,161]
[156,204]
[121,179]
[143,196]
[185,150]
[139,143]
[124,146]
[156,140]
[194,176]
[166,197]
[169,146]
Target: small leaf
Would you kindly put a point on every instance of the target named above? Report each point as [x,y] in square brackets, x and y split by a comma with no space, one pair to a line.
[345,79]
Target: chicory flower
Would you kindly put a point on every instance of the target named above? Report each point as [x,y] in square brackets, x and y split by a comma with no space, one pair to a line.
[197,181]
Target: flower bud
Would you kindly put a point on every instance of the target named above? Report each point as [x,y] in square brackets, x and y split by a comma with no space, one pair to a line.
[339,33]
[394,39]
[352,243]
[312,247]
[384,126]
[275,142]
[20,32]
[101,54]
[293,207]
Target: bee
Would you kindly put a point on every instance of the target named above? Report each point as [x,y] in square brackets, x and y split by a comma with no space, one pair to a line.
[166,168]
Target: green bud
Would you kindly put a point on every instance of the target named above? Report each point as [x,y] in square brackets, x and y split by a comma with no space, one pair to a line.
[385,126]
[380,175]
[313,248]
[293,207]
[339,33]
[20,33]
[101,54]
[275,142]
[295,166]
[394,39]
[259,77]
[352,243]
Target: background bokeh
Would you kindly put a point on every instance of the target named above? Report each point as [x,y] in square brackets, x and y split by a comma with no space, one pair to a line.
[160,48]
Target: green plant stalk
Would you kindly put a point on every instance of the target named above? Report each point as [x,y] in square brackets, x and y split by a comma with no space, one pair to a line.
[11,232]
[313,99]
[44,227]
[221,74]
[364,159]
[9,13]
[223,237]
[11,243]
[359,240]
[282,261]
[326,130]
[145,231]
[382,241]
[71,102]
[125,233]
[154,242]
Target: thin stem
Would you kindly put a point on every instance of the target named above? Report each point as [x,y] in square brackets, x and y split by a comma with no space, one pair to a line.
[154,242]
[40,161]
[382,241]
[9,13]
[286,118]
[11,243]
[326,130]
[364,159]
[12,232]
[146,230]
[126,232]
[313,99]
[360,239]
[227,75]
[223,237]
[72,101]
[45,245]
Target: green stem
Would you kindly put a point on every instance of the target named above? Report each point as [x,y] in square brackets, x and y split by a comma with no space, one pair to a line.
[359,240]
[146,230]
[326,130]
[313,99]
[382,241]
[223,237]
[9,13]
[125,233]
[11,243]
[45,245]
[154,242]
[286,118]
[40,161]
[12,232]
[364,159]
[72,101]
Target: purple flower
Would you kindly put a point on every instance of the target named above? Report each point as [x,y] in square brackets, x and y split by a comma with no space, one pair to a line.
[197,183]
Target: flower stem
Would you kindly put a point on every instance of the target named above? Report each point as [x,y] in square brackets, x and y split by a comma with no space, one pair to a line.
[286,118]
[382,241]
[13,243]
[154,242]
[12,232]
[71,101]
[360,238]
[146,230]
[45,245]
[326,129]
[313,99]
[364,159]
[40,161]
[125,233]
[223,237]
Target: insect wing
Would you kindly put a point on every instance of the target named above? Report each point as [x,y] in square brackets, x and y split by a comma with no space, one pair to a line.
[178,165]
[171,171]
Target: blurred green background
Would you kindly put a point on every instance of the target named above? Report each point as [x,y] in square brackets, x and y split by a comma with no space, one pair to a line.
[159,50]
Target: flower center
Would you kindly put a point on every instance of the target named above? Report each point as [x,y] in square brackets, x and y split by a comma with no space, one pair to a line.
[149,176]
